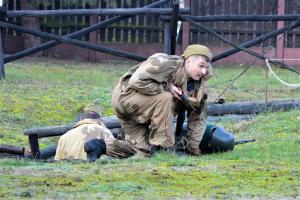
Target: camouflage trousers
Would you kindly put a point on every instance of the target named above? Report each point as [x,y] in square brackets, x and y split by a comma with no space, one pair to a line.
[146,119]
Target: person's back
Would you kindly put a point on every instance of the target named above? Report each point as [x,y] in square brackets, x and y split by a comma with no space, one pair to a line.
[71,145]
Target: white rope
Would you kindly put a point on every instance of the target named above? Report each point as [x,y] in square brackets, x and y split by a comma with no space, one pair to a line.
[281,81]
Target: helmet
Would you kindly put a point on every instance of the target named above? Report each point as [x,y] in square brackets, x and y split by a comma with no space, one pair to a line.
[216,139]
[222,140]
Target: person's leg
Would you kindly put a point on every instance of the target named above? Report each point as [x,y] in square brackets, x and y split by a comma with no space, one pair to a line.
[137,111]
[161,127]
[136,134]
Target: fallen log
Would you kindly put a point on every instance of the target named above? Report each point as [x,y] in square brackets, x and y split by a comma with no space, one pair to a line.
[253,107]
[111,122]
[12,149]
[45,153]
[214,110]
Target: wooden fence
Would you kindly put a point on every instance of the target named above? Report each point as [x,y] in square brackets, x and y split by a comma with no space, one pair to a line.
[292,38]
[236,31]
[149,29]
[137,30]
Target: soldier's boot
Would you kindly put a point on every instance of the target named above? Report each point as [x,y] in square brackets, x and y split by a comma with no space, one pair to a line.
[94,149]
[193,151]
[155,149]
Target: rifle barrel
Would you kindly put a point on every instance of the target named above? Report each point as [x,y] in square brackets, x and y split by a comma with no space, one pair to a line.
[244,141]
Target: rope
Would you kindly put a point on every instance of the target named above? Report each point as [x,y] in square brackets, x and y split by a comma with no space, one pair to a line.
[280,80]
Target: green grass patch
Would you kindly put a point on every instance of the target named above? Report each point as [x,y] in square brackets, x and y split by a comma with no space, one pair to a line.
[52,92]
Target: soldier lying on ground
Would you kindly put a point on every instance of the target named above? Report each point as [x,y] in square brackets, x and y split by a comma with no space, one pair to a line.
[148,96]
[90,138]
[90,129]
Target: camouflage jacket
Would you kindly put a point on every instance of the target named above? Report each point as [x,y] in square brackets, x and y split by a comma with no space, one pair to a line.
[157,73]
[71,144]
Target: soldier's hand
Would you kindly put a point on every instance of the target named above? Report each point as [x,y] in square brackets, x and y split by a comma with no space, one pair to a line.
[176,91]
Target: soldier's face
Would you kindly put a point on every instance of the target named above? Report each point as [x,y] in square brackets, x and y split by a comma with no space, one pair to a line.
[196,67]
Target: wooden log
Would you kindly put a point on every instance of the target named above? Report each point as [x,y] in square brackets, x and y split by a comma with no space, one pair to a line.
[214,110]
[82,44]
[111,122]
[12,149]
[253,107]
[87,30]
[48,152]
[99,12]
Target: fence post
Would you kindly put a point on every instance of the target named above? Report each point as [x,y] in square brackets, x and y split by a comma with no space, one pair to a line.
[2,16]
[186,28]
[174,22]
[280,24]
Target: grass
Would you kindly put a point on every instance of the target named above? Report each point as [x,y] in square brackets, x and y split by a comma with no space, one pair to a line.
[52,92]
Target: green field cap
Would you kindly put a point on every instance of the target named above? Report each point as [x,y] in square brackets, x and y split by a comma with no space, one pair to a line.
[197,49]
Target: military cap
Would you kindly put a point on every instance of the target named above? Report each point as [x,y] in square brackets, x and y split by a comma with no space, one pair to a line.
[197,49]
[93,108]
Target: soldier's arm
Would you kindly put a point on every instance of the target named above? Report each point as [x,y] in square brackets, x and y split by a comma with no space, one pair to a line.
[152,76]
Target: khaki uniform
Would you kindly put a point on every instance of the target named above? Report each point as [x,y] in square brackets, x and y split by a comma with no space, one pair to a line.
[71,144]
[145,106]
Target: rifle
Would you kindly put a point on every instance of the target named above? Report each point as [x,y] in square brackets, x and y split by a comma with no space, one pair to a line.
[181,113]
[244,141]
[186,101]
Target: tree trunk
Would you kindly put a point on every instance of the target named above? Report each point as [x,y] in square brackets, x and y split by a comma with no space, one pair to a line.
[32,23]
